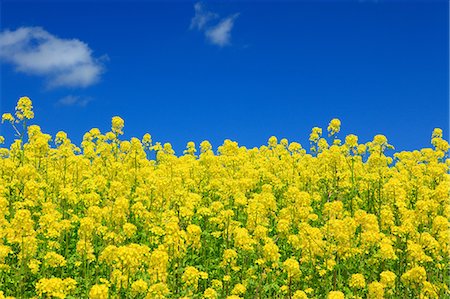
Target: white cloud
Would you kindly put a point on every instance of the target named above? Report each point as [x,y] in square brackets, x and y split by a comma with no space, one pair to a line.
[218,34]
[63,62]
[221,33]
[202,17]
[72,100]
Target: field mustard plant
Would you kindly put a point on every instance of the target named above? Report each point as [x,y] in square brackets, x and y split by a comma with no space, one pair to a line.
[115,218]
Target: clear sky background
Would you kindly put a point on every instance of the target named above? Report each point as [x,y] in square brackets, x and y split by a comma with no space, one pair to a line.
[240,70]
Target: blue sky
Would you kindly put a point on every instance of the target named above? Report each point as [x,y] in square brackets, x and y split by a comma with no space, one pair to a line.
[240,70]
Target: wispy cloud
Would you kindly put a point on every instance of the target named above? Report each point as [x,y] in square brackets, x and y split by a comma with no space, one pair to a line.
[201,17]
[219,33]
[62,62]
[72,100]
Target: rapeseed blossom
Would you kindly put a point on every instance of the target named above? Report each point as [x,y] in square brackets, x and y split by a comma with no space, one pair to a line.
[24,109]
[114,218]
[357,281]
[334,126]
[98,292]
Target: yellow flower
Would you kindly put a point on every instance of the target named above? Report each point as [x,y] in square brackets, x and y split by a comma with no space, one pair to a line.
[99,291]
[33,265]
[334,126]
[210,293]
[387,252]
[239,289]
[283,226]
[129,229]
[270,250]
[284,289]
[357,281]
[242,239]
[190,148]
[24,109]
[380,139]
[194,235]
[52,259]
[300,295]
[55,287]
[361,149]
[158,290]
[117,125]
[8,117]
[139,287]
[429,290]
[414,276]
[315,135]
[292,268]
[335,295]
[351,140]
[191,276]
[135,211]
[388,278]
[376,290]
[4,252]
[147,140]
[437,133]
[216,284]
[229,258]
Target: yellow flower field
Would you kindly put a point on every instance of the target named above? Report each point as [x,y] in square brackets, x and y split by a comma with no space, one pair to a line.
[114,218]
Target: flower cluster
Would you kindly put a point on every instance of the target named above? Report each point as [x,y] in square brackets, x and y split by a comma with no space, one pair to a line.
[113,218]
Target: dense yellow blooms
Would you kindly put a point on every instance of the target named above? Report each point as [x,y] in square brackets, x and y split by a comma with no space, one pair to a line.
[229,259]
[335,295]
[139,287]
[56,287]
[98,292]
[8,117]
[113,218]
[117,125]
[376,290]
[210,293]
[300,295]
[387,278]
[415,276]
[191,276]
[2,296]
[193,235]
[271,252]
[357,281]
[24,109]
[334,126]
[239,289]
[54,259]
[158,291]
[292,268]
